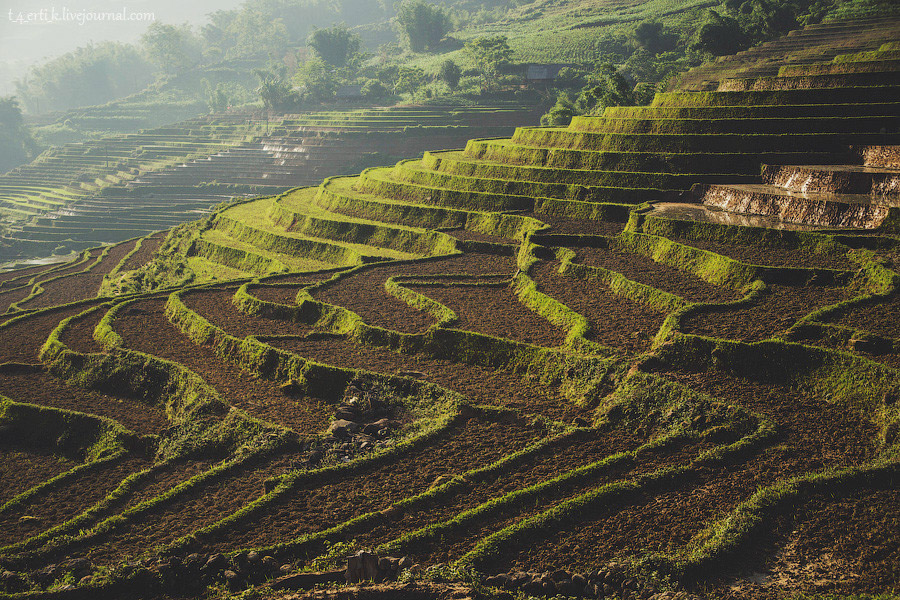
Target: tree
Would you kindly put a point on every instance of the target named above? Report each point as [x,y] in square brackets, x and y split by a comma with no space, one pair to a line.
[648,35]
[171,48]
[421,25]
[719,35]
[410,80]
[16,144]
[450,73]
[317,80]
[490,55]
[334,45]
[274,89]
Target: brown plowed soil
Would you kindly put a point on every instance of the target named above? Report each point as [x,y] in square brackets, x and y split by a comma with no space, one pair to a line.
[777,310]
[279,294]
[882,318]
[57,505]
[21,341]
[475,236]
[480,384]
[150,331]
[363,292]
[812,434]
[583,226]
[22,469]
[563,455]
[771,257]
[631,330]
[80,286]
[148,248]
[458,542]
[320,504]
[216,307]
[843,545]
[76,266]
[10,297]
[649,272]
[36,386]
[203,506]
[11,278]
[494,311]
[78,336]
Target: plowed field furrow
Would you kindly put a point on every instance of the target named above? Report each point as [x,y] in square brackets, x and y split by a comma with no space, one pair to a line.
[363,292]
[22,469]
[568,454]
[144,254]
[21,341]
[475,236]
[78,336]
[773,257]
[882,318]
[36,386]
[667,520]
[481,384]
[616,321]
[583,226]
[649,272]
[204,505]
[151,332]
[279,294]
[77,267]
[21,276]
[494,311]
[459,541]
[814,432]
[847,545]
[114,257]
[776,310]
[10,297]
[321,504]
[64,502]
[216,306]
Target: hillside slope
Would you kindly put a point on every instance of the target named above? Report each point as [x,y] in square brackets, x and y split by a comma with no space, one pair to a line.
[617,359]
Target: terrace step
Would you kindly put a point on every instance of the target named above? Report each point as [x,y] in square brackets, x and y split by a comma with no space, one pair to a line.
[754,126]
[843,80]
[837,179]
[861,211]
[868,66]
[881,156]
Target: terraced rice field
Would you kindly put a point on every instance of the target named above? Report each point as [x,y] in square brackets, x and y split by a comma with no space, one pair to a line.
[506,362]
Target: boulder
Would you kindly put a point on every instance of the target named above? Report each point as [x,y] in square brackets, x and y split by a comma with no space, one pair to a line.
[343,428]
[362,566]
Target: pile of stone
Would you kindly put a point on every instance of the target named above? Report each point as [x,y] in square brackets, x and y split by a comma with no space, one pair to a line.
[363,422]
[610,581]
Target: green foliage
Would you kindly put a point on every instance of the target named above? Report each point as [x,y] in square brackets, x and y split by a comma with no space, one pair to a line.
[409,80]
[16,144]
[374,90]
[171,48]
[275,89]
[92,74]
[421,26]
[335,45]
[605,87]
[719,35]
[450,73]
[489,55]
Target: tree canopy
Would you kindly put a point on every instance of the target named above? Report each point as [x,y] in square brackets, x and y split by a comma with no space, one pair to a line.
[334,45]
[421,25]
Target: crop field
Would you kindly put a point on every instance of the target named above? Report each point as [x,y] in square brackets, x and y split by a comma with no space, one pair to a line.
[518,369]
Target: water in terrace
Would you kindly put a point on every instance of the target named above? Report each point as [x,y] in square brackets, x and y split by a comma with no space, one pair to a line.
[37,262]
[697,212]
